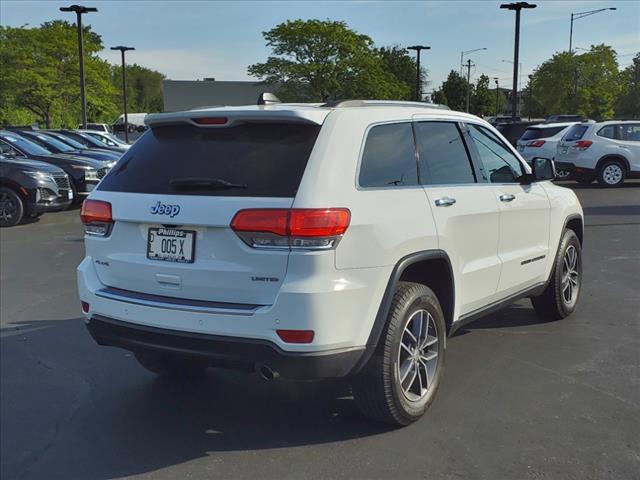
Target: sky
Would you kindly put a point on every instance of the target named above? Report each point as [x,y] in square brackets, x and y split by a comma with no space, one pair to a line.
[188,40]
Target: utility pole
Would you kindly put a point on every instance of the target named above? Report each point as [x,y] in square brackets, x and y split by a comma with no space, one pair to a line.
[124,89]
[469,65]
[418,49]
[495,79]
[79,11]
[517,7]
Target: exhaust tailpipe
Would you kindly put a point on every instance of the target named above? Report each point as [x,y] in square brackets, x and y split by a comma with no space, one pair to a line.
[266,372]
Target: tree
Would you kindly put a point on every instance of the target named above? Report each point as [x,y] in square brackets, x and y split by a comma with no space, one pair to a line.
[144,88]
[319,60]
[453,91]
[628,101]
[593,76]
[402,66]
[40,73]
[483,100]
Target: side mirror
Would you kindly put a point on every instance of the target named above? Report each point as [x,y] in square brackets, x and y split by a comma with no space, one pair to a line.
[543,169]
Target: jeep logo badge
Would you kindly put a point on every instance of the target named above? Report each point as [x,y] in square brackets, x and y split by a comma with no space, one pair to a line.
[162,209]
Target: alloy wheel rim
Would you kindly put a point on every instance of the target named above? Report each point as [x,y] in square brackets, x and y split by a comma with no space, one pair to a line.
[7,207]
[563,173]
[418,356]
[570,276]
[612,174]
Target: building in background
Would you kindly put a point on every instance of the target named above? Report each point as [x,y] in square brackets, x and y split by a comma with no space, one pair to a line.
[187,94]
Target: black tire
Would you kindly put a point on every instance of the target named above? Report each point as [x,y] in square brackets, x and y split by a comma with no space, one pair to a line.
[552,304]
[11,207]
[77,199]
[377,389]
[611,173]
[168,365]
[35,214]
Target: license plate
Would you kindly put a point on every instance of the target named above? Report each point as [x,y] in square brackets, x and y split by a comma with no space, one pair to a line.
[70,194]
[171,245]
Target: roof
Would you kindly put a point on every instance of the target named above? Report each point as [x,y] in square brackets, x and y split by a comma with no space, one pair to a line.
[313,113]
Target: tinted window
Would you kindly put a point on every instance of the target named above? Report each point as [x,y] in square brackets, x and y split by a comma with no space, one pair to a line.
[607,132]
[25,145]
[500,164]
[47,142]
[389,157]
[630,132]
[66,140]
[540,132]
[268,158]
[443,156]
[575,133]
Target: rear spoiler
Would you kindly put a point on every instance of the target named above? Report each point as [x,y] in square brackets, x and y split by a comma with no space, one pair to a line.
[226,116]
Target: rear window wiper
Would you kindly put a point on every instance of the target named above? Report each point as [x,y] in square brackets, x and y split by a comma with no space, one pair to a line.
[198,183]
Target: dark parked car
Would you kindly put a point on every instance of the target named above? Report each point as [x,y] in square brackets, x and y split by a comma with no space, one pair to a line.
[29,188]
[512,131]
[88,141]
[54,145]
[85,173]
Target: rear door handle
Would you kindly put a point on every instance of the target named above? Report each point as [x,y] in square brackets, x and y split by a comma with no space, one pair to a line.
[445,202]
[507,197]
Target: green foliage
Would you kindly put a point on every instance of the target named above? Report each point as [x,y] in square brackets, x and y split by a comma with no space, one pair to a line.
[319,60]
[587,84]
[454,91]
[483,100]
[628,102]
[144,88]
[40,77]
[397,61]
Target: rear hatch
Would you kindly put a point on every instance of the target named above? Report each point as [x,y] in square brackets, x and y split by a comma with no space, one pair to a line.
[173,196]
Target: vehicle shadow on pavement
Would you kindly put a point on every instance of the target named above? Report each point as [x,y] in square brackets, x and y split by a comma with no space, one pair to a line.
[518,315]
[122,420]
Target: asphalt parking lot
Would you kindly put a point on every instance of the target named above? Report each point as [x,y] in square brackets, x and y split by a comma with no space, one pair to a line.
[520,399]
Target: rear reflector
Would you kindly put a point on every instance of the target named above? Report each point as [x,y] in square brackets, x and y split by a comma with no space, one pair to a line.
[536,143]
[210,120]
[85,307]
[308,228]
[96,217]
[296,336]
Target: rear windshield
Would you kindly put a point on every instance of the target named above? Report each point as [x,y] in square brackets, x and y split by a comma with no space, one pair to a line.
[575,133]
[247,160]
[540,132]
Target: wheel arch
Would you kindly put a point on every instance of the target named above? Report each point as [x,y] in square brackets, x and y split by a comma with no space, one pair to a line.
[8,183]
[429,267]
[614,156]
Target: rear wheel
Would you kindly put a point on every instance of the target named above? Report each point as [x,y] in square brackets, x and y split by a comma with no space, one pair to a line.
[11,207]
[560,297]
[401,379]
[168,365]
[611,173]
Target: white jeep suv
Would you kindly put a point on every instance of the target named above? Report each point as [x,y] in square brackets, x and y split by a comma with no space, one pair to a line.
[607,151]
[316,241]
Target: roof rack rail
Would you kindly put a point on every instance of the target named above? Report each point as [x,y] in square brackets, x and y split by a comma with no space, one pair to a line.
[381,103]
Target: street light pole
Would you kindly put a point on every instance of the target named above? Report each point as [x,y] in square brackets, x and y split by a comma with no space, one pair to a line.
[517,7]
[79,10]
[578,16]
[418,49]
[469,65]
[463,53]
[124,89]
[495,79]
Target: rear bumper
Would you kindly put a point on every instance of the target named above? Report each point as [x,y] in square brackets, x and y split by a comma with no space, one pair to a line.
[222,351]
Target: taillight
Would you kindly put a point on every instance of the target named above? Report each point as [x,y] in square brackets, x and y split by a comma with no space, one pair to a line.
[536,143]
[583,144]
[301,228]
[96,217]
[85,307]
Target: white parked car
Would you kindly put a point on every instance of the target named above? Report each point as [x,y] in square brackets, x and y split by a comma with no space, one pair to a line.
[605,151]
[108,139]
[310,241]
[542,141]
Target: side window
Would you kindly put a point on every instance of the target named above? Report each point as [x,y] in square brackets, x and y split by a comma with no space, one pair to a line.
[630,132]
[607,132]
[500,164]
[6,149]
[389,157]
[443,156]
